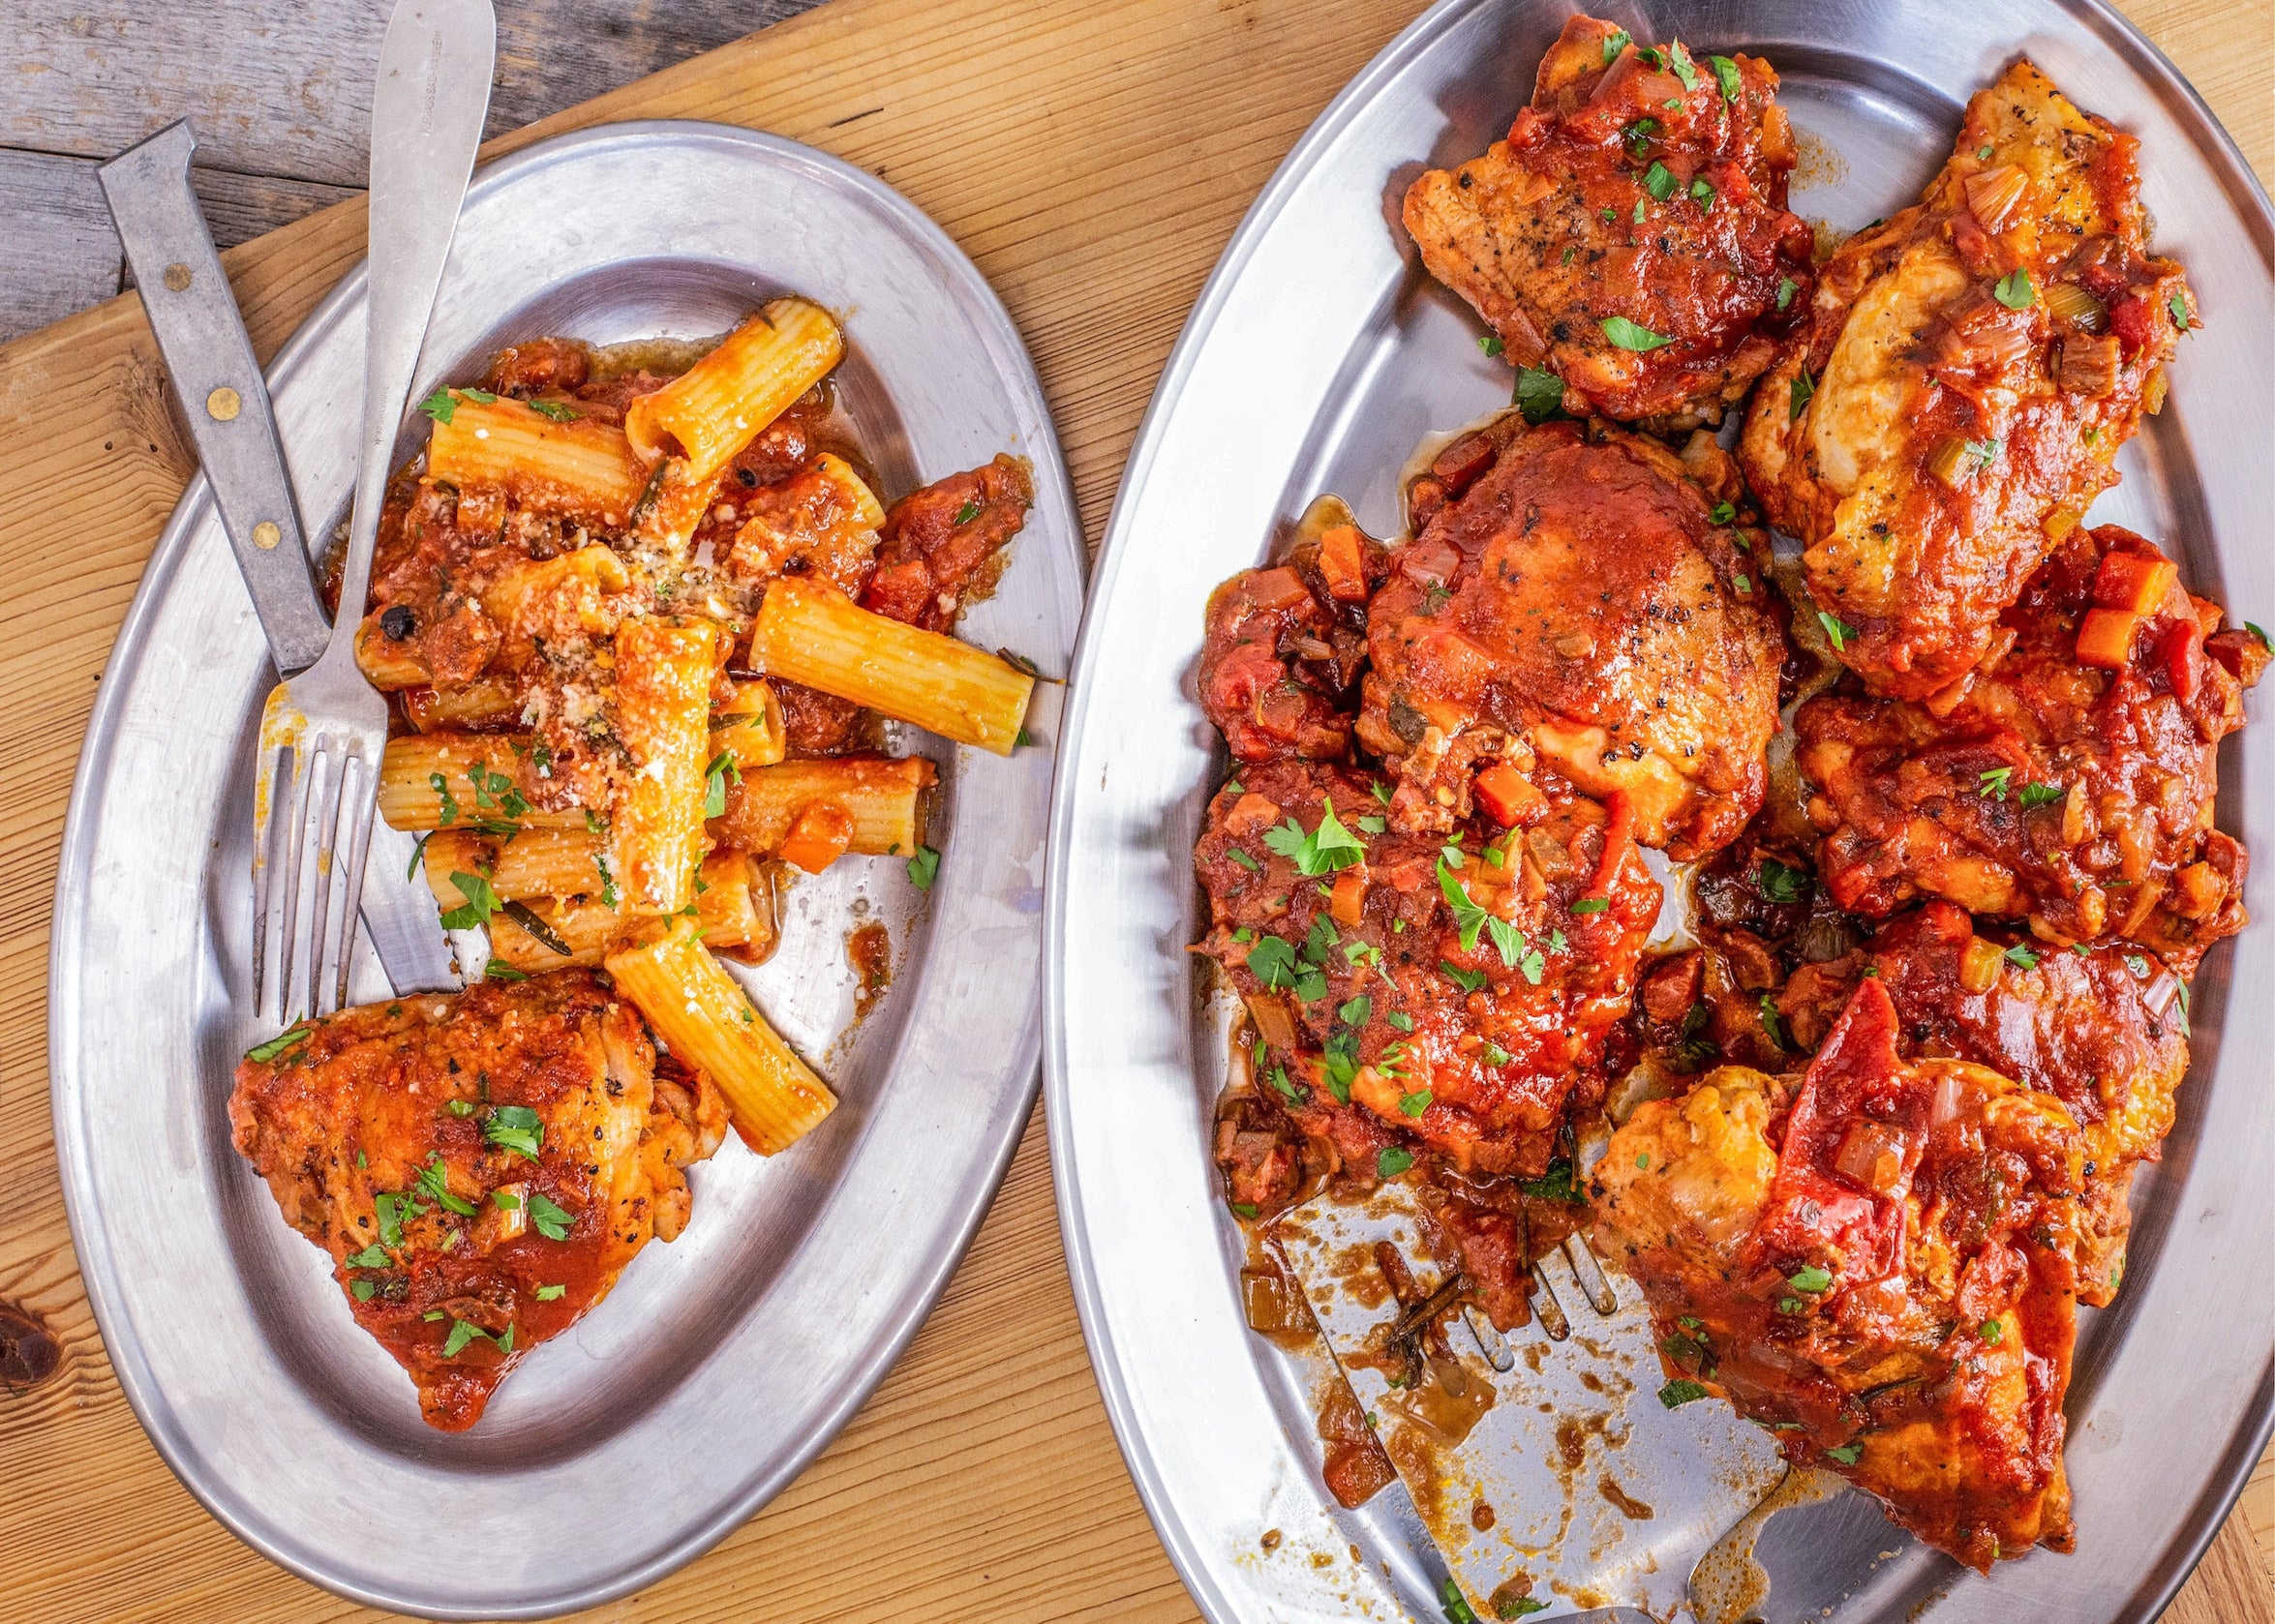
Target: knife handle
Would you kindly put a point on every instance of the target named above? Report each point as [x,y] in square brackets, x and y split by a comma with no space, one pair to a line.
[223,396]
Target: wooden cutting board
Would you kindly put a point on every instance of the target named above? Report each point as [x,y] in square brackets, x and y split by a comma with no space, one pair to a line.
[1093,159]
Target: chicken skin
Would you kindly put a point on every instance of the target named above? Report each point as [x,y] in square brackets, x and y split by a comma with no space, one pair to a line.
[1421,1003]
[1966,375]
[480,1168]
[2101,1031]
[2069,782]
[1581,604]
[1630,235]
[1878,1263]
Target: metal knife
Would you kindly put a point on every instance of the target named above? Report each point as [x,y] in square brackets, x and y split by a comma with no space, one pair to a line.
[225,400]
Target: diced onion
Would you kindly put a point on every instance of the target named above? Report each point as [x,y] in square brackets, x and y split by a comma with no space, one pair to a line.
[1872,1153]
[1949,463]
[1979,964]
[1993,194]
[2067,301]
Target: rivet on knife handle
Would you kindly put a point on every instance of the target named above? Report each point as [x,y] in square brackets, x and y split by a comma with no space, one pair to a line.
[211,363]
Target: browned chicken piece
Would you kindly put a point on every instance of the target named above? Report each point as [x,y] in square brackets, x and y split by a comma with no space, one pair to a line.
[1630,235]
[2101,1032]
[1583,604]
[818,525]
[941,543]
[1420,1004]
[481,1168]
[1878,1263]
[1966,375]
[1276,656]
[2069,782]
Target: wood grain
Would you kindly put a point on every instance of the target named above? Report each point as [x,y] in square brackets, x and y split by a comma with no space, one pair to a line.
[1093,159]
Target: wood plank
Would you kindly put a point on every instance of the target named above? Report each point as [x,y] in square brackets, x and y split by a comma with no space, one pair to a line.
[980,1484]
[58,254]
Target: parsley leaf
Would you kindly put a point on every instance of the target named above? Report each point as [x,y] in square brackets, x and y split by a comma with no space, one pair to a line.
[1702,195]
[441,788]
[441,405]
[1591,905]
[1324,851]
[2014,290]
[547,1293]
[1415,1104]
[1722,513]
[461,1333]
[1491,344]
[714,783]
[1468,980]
[1272,961]
[552,1221]
[557,411]
[1246,861]
[277,1045]
[2022,956]
[1846,1454]
[1992,784]
[1786,288]
[1771,1026]
[434,1179]
[2043,794]
[1467,917]
[965,514]
[1660,181]
[481,901]
[373,1256]
[1354,1013]
[1679,1391]
[1540,394]
[1400,1019]
[923,868]
[1393,1161]
[1779,883]
[1836,629]
[1685,68]
[2178,308]
[1615,41]
[1624,334]
[516,1128]
[1811,1278]
[1804,388]
[498,970]
[1726,71]
[1555,1185]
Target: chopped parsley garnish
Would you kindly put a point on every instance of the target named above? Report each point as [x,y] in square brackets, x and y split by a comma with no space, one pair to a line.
[1743,582]
[394,1211]
[1679,1391]
[1983,154]
[2253,628]
[2177,307]
[418,852]
[1490,343]
[441,788]
[373,1256]
[363,1291]
[480,902]
[1771,1026]
[1393,1161]
[714,783]
[923,868]
[498,970]
[1340,1062]
[1415,1104]
[1846,1454]
[552,1221]
[557,411]
[1721,513]
[1400,1019]
[1355,1012]
[2022,956]
[1811,1278]
[1660,181]
[1517,1607]
[1371,825]
[277,1045]
[1702,195]
[1787,288]
[434,1179]
[2043,794]
[1470,918]
[2014,290]
[1615,41]
[1284,1089]
[1246,861]
[1981,452]
[516,1128]
[1685,68]
[608,894]
[1624,334]
[441,405]
[1555,1185]
[965,514]
[1804,389]
[1540,394]
[1591,905]
[1726,72]
[2138,965]
[548,1293]
[462,1107]
[1779,883]
[461,1333]
[1272,961]
[1324,851]
[1468,980]
[1993,1332]
[1836,629]
[1991,785]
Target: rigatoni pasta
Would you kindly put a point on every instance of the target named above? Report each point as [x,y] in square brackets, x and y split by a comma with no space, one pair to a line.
[816,635]
[734,912]
[580,467]
[708,1021]
[663,721]
[444,780]
[712,408]
[883,799]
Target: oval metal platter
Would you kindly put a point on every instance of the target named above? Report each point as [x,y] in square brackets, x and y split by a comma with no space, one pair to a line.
[723,1362]
[1318,357]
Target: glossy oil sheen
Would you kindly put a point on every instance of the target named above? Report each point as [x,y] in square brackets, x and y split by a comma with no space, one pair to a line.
[723,1361]
[1318,356]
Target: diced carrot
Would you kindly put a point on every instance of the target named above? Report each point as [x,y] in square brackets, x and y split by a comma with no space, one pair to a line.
[1273,588]
[1343,562]
[2180,652]
[819,837]
[1505,794]
[2104,637]
[2132,581]
[1349,902]
[1250,813]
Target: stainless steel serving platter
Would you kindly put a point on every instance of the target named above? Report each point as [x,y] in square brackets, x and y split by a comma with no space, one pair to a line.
[724,1360]
[1319,355]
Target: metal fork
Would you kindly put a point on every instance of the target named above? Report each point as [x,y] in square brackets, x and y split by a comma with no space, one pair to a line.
[324,733]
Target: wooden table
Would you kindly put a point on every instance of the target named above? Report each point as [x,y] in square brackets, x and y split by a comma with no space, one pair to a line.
[1058,142]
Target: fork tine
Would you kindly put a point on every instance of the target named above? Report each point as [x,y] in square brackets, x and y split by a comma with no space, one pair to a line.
[327,819]
[264,839]
[1588,1272]
[295,838]
[358,782]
